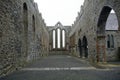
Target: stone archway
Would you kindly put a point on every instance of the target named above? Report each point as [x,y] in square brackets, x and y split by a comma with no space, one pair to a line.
[101,33]
[80,47]
[85,46]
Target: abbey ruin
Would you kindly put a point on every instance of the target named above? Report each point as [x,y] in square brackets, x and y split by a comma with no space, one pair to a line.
[24,36]
[89,30]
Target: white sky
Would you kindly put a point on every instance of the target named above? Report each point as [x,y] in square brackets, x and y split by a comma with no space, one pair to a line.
[64,11]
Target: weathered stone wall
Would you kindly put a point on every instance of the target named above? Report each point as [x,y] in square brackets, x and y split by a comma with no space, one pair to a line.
[112,52]
[11,47]
[20,43]
[86,23]
[44,40]
[67,31]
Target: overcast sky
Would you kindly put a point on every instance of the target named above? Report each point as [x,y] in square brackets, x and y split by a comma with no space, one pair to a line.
[64,11]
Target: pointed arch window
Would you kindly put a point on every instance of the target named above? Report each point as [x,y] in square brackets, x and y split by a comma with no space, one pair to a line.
[25,24]
[33,25]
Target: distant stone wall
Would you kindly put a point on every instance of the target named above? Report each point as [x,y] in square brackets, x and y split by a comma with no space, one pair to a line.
[20,39]
[54,28]
[88,21]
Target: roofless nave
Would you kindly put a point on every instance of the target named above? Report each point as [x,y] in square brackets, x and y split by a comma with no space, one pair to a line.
[24,36]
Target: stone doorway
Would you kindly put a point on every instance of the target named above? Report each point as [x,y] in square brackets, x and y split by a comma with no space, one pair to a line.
[85,47]
[80,47]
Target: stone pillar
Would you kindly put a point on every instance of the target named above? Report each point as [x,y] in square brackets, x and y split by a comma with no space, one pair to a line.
[52,39]
[56,39]
[61,41]
[65,41]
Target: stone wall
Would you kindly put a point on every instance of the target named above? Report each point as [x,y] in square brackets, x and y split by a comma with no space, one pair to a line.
[112,51]
[21,29]
[67,31]
[88,21]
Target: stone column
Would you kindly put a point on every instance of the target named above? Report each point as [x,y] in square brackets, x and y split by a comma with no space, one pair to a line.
[51,39]
[56,39]
[61,40]
[65,40]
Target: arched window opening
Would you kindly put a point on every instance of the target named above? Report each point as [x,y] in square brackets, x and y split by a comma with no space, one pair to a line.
[108,41]
[102,19]
[33,25]
[63,38]
[112,21]
[25,17]
[25,6]
[25,23]
[107,20]
[58,38]
[112,11]
[54,39]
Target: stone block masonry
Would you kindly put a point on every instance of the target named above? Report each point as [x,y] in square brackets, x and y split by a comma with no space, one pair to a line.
[90,23]
[21,26]
[24,36]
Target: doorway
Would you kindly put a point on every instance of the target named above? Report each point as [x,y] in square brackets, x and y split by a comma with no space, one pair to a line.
[85,47]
